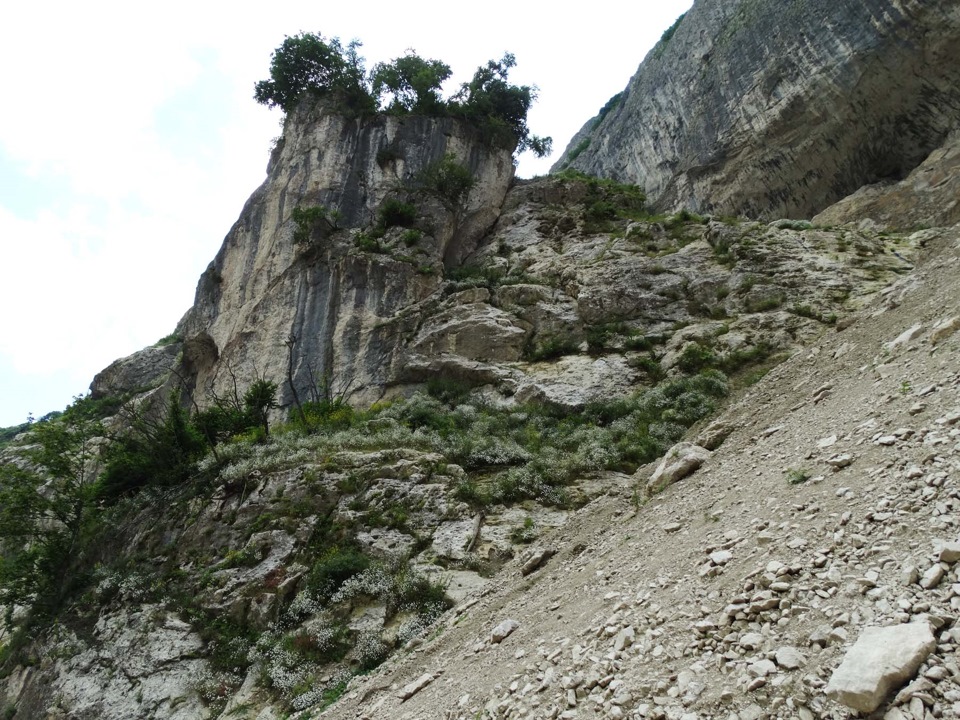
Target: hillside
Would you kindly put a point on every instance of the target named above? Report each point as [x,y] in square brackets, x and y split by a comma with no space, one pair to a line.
[434,442]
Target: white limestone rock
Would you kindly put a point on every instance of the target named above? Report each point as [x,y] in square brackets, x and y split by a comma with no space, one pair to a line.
[882,659]
[681,460]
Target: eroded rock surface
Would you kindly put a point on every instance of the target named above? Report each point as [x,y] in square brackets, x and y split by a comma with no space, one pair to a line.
[769,109]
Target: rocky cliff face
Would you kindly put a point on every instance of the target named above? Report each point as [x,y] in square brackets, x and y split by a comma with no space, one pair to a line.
[566,337]
[339,302]
[778,109]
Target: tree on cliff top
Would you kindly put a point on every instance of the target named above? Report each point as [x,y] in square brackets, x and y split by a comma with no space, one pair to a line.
[412,82]
[306,64]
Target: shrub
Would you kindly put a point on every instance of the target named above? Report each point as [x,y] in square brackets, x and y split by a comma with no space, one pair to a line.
[332,570]
[412,84]
[311,222]
[411,237]
[152,452]
[396,213]
[551,348]
[447,180]
[695,357]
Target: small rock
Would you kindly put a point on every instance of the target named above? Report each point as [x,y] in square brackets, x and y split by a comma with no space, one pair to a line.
[932,577]
[721,557]
[535,559]
[945,329]
[411,689]
[840,461]
[950,552]
[502,631]
[751,641]
[672,527]
[680,461]
[905,337]
[789,658]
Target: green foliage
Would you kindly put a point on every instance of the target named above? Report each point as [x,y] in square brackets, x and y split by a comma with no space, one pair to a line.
[369,242]
[396,213]
[411,237]
[170,339]
[797,476]
[447,180]
[667,36]
[311,222]
[803,310]
[648,365]
[449,390]
[608,106]
[158,452]
[794,225]
[46,499]
[412,84]
[696,357]
[499,109]
[607,201]
[551,348]
[334,568]
[306,64]
[764,304]
[576,152]
[325,416]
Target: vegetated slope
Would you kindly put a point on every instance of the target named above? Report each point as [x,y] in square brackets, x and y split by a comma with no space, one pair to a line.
[736,592]
[777,109]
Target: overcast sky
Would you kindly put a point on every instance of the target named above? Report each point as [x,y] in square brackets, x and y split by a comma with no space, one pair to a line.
[129,141]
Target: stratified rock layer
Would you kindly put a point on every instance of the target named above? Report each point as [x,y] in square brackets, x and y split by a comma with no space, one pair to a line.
[769,108]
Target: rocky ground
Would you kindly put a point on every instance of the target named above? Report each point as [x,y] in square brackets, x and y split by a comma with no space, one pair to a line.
[737,592]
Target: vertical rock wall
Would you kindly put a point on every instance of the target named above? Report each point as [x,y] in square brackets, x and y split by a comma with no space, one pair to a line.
[343,305]
[779,108]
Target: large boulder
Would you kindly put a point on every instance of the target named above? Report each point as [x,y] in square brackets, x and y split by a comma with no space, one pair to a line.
[882,659]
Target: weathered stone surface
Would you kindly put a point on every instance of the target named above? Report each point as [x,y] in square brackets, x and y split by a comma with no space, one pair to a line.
[502,631]
[679,462]
[341,304]
[882,659]
[135,373]
[720,117]
[412,688]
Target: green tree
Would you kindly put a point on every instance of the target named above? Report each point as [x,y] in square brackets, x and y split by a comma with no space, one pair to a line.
[153,451]
[412,83]
[47,491]
[308,64]
[499,108]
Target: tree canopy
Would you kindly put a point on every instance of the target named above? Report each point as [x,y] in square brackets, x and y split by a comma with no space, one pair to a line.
[308,65]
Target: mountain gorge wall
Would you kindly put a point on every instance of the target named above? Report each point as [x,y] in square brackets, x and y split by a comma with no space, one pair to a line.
[549,306]
[769,109]
[339,305]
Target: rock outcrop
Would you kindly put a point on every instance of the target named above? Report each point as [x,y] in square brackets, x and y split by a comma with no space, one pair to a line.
[772,109]
[340,304]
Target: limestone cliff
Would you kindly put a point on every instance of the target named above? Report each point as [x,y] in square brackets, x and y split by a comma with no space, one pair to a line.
[778,109]
[338,301]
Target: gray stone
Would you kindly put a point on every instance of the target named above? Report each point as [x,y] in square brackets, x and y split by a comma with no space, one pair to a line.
[680,461]
[882,659]
[502,631]
[789,658]
[705,151]
[415,686]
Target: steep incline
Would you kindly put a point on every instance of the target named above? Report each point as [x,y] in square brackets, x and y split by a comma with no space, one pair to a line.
[777,109]
[736,593]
